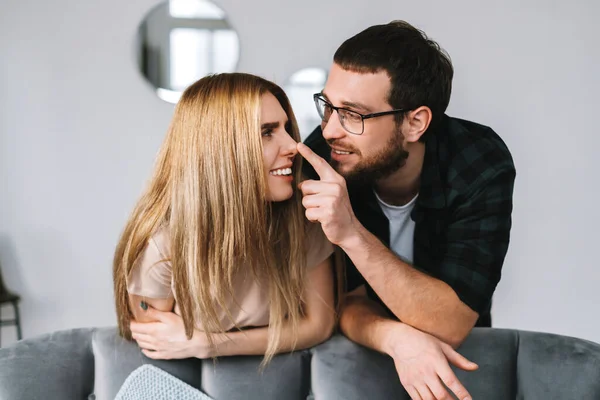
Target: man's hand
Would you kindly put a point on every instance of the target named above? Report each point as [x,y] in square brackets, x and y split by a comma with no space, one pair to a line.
[326,200]
[165,339]
[422,362]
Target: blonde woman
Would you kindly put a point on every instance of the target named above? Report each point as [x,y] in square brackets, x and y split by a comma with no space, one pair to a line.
[219,236]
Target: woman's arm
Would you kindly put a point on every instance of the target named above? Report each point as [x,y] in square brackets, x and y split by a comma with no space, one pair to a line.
[316,327]
[135,304]
[166,339]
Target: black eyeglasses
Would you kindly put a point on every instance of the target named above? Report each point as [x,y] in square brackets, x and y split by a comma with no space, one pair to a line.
[350,120]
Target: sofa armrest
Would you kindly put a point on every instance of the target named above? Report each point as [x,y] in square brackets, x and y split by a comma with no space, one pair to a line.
[554,366]
[58,365]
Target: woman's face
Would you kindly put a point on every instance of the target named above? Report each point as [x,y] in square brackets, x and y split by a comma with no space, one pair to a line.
[279,149]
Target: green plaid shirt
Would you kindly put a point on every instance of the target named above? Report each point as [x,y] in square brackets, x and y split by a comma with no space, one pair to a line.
[462,215]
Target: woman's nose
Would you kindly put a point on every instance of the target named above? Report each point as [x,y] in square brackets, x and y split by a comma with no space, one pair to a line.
[288,147]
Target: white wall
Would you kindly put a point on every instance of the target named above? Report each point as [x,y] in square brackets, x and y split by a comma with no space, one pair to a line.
[79,130]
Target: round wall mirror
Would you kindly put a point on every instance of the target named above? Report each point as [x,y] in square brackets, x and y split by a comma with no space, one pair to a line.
[300,89]
[180,41]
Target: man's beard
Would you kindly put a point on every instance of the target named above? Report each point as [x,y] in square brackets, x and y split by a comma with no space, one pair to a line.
[381,165]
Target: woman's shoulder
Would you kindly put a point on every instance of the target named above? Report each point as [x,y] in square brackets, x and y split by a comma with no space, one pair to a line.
[161,241]
[318,247]
[151,273]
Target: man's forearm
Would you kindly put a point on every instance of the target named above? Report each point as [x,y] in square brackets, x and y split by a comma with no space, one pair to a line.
[365,322]
[414,297]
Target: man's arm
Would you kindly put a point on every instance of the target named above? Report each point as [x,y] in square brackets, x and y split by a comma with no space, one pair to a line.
[365,322]
[166,338]
[421,360]
[476,244]
[476,240]
[414,297]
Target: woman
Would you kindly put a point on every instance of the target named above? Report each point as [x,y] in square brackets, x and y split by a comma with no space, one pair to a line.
[219,235]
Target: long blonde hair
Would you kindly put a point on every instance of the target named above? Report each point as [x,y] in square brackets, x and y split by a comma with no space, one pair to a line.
[209,188]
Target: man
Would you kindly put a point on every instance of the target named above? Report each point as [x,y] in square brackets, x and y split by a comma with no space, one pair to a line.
[420,203]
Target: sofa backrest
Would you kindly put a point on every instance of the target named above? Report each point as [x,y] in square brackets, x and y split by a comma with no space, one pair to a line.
[58,365]
[287,376]
[94,363]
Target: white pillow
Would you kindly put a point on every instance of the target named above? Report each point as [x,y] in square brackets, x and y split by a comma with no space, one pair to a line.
[151,383]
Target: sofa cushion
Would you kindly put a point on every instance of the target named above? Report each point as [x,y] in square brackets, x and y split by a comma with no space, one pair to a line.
[495,351]
[116,358]
[345,370]
[239,378]
[231,378]
[557,367]
[58,365]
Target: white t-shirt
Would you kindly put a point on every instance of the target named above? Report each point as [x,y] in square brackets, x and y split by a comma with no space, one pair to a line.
[402,228]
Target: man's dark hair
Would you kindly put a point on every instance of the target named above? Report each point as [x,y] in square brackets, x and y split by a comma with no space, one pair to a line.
[420,71]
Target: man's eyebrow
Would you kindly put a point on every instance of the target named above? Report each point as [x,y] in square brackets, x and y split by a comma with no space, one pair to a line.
[351,104]
[357,106]
[270,125]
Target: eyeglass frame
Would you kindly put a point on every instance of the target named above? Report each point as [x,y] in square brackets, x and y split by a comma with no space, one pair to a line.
[319,96]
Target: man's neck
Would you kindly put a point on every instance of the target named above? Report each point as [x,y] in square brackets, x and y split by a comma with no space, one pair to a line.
[402,186]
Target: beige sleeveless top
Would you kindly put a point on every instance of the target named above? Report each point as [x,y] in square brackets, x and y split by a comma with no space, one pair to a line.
[151,277]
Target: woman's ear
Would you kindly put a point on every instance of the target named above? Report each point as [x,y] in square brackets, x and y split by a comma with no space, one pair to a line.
[416,123]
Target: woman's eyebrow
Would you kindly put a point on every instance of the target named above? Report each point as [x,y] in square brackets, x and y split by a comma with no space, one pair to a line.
[270,125]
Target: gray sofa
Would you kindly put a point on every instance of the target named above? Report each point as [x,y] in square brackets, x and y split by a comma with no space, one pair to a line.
[93,364]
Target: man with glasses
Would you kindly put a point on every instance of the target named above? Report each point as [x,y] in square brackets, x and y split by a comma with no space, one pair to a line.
[420,202]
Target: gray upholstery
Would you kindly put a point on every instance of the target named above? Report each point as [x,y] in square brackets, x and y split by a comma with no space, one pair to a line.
[115,358]
[286,377]
[81,363]
[512,365]
[557,367]
[59,365]
[493,350]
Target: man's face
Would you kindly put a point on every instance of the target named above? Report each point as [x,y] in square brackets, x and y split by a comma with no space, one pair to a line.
[379,151]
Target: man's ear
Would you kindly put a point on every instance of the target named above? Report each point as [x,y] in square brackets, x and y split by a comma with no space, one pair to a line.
[416,123]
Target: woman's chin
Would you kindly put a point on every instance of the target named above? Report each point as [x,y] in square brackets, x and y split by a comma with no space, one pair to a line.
[280,195]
